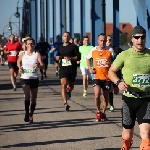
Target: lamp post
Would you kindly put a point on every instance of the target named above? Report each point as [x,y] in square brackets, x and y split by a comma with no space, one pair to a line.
[17,15]
[10,26]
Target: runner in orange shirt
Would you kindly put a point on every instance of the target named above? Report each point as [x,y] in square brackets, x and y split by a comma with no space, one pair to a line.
[99,70]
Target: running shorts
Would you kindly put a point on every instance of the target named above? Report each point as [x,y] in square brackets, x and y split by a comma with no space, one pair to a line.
[33,83]
[13,65]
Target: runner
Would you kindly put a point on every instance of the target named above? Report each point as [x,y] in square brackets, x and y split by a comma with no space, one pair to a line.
[1,55]
[12,50]
[55,49]
[84,51]
[67,55]
[28,64]
[101,63]
[43,47]
[135,66]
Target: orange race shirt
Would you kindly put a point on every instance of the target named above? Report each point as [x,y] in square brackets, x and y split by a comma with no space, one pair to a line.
[101,62]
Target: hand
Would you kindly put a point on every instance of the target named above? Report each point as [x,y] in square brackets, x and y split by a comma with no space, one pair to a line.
[122,86]
[92,70]
[67,58]
[20,70]
[53,49]
[7,52]
[78,62]
[36,65]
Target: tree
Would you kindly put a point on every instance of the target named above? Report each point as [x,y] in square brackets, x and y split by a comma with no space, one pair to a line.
[124,39]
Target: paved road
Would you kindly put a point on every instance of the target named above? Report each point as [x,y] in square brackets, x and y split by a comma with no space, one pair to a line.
[53,128]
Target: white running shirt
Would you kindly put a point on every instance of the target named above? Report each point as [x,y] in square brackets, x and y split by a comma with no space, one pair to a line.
[29,71]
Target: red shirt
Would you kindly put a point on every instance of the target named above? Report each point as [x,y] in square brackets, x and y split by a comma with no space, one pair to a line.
[14,49]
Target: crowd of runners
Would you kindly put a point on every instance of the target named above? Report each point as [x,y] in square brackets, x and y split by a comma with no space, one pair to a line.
[109,67]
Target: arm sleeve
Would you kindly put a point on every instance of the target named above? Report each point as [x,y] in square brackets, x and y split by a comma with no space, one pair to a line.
[119,61]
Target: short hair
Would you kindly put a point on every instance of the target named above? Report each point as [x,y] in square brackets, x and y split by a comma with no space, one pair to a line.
[28,40]
[101,34]
[67,32]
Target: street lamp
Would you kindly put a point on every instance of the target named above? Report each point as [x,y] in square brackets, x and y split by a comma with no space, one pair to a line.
[10,26]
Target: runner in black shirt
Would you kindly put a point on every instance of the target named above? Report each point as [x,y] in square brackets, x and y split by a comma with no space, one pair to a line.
[67,56]
[42,47]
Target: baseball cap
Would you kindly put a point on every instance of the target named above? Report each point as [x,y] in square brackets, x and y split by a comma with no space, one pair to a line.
[138,30]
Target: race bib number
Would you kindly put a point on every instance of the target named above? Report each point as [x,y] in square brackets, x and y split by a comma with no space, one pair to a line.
[13,53]
[30,71]
[141,80]
[66,63]
[102,63]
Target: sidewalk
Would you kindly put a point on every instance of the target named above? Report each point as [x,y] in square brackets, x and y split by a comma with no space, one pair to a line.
[54,128]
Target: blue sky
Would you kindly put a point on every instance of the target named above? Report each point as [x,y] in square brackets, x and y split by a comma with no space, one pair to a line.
[127,14]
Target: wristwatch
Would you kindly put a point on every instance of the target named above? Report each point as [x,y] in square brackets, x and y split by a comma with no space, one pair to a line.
[117,83]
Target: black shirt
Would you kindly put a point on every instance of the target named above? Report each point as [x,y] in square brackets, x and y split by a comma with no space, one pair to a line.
[42,48]
[70,51]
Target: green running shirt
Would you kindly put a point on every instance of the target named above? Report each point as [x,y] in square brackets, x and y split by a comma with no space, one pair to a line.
[135,69]
[84,50]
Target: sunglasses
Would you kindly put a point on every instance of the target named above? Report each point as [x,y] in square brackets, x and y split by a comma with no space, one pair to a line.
[137,37]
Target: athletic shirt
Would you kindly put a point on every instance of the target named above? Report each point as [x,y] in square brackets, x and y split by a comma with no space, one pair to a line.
[14,49]
[135,69]
[101,62]
[84,50]
[29,71]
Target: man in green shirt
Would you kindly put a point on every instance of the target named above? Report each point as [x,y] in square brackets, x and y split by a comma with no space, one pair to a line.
[84,50]
[135,65]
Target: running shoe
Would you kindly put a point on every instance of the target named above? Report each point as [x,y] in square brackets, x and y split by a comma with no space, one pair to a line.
[103,117]
[57,74]
[30,119]
[98,117]
[67,107]
[26,118]
[14,88]
[84,94]
[111,109]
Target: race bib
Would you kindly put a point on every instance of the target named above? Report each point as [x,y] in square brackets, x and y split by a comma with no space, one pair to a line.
[13,53]
[29,72]
[66,63]
[141,80]
[102,63]
[43,57]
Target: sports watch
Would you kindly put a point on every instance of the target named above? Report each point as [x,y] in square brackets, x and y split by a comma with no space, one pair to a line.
[117,83]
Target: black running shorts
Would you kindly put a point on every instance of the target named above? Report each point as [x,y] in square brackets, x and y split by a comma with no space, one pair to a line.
[135,108]
[13,65]
[68,73]
[105,85]
[33,83]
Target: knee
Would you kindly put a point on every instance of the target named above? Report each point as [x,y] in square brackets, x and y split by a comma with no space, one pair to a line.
[145,134]
[97,95]
[127,134]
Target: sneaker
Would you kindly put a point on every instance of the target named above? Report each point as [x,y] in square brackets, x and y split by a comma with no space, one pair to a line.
[57,74]
[30,119]
[41,77]
[111,109]
[45,75]
[68,95]
[26,118]
[67,107]
[84,94]
[103,117]
[98,117]
[14,88]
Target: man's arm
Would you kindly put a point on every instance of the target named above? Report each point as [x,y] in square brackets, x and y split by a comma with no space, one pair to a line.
[40,60]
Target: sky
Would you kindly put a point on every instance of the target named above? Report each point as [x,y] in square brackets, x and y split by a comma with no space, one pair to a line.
[8,7]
